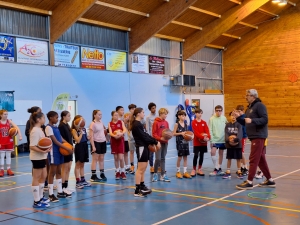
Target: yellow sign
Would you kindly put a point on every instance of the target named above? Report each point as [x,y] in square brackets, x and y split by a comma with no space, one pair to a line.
[116,61]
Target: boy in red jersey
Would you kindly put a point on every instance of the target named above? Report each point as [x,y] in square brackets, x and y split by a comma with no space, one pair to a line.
[202,136]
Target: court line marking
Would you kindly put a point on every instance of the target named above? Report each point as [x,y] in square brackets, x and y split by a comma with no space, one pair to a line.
[217,200]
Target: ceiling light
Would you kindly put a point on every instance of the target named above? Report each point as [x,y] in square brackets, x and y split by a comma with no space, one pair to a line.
[276,1]
[282,2]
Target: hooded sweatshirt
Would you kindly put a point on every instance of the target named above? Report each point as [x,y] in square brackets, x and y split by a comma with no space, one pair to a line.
[257,112]
[216,129]
[158,126]
[234,129]
[199,128]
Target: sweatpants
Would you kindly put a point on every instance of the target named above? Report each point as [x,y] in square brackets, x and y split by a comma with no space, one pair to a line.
[160,158]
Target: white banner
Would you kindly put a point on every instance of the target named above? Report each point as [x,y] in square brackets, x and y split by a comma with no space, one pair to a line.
[66,55]
[32,51]
[140,63]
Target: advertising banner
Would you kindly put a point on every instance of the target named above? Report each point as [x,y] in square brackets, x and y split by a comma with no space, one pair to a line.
[92,58]
[140,63]
[116,61]
[156,65]
[7,49]
[66,55]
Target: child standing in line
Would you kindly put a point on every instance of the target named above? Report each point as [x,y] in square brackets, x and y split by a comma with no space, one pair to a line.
[149,123]
[117,144]
[98,144]
[181,144]
[6,142]
[233,138]
[200,128]
[81,153]
[131,140]
[38,159]
[56,159]
[65,131]
[159,125]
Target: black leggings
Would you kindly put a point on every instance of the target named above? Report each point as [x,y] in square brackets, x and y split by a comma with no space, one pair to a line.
[201,153]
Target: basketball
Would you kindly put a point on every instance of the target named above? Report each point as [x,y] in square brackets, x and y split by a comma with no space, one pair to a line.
[127,115]
[118,131]
[79,123]
[167,134]
[231,140]
[188,136]
[202,140]
[44,143]
[13,132]
[152,148]
[64,151]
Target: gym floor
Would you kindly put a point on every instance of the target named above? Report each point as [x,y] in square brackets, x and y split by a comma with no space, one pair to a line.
[201,200]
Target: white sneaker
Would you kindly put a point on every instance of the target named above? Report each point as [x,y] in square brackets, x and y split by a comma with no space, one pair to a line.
[259,175]
[65,190]
[71,190]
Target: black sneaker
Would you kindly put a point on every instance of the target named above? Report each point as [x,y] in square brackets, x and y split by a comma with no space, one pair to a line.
[244,186]
[53,198]
[138,193]
[127,170]
[95,179]
[245,172]
[61,195]
[267,183]
[145,190]
[103,177]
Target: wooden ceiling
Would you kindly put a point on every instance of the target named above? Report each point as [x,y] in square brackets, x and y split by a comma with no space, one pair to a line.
[192,17]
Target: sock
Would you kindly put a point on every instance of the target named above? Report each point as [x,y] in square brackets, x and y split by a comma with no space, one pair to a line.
[41,190]
[8,167]
[199,167]
[77,180]
[132,164]
[214,159]
[82,179]
[137,187]
[250,182]
[2,167]
[117,170]
[194,167]
[50,189]
[184,169]
[102,171]
[178,169]
[271,179]
[35,192]
[46,183]
[218,166]
[243,166]
[142,184]
[66,184]
[63,185]
[123,170]
[93,173]
[59,185]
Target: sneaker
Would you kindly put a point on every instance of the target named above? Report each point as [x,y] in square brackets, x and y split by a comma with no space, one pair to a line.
[46,188]
[259,175]
[95,179]
[240,175]
[155,177]
[267,183]
[227,176]
[85,183]
[200,173]
[145,190]
[165,178]
[79,185]
[151,169]
[70,190]
[67,193]
[214,173]
[245,186]
[123,176]
[138,193]
[118,175]
[103,177]
[244,171]
[53,198]
[132,170]
[1,173]
[39,205]
[178,175]
[220,172]
[193,173]
[61,195]
[45,200]
[127,170]
[159,170]
[187,175]
[10,172]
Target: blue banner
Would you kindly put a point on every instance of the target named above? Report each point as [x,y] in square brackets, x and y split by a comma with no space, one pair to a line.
[7,51]
[7,100]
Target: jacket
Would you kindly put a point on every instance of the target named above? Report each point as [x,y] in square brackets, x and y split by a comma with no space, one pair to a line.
[216,129]
[233,129]
[199,128]
[158,126]
[257,112]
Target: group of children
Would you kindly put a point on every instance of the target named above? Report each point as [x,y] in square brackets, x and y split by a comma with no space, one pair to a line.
[129,133]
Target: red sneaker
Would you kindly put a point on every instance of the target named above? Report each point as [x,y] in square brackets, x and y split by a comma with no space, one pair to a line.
[123,176]
[1,173]
[10,173]
[118,175]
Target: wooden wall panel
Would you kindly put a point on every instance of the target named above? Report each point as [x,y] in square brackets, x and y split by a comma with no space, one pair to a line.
[264,59]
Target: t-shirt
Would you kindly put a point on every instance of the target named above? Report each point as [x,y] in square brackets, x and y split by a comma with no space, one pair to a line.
[149,123]
[125,135]
[98,131]
[35,135]
[216,129]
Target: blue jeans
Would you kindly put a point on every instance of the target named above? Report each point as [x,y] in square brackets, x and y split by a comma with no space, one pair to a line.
[151,159]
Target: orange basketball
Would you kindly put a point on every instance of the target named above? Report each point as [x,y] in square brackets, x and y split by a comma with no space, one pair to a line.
[127,115]
[231,140]
[44,143]
[79,122]
[152,148]
[188,136]
[118,131]
[13,132]
[64,151]
[167,134]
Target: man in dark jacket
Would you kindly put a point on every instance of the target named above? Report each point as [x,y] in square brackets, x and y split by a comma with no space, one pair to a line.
[256,122]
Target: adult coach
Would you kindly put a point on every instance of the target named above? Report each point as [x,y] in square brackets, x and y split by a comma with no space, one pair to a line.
[256,122]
